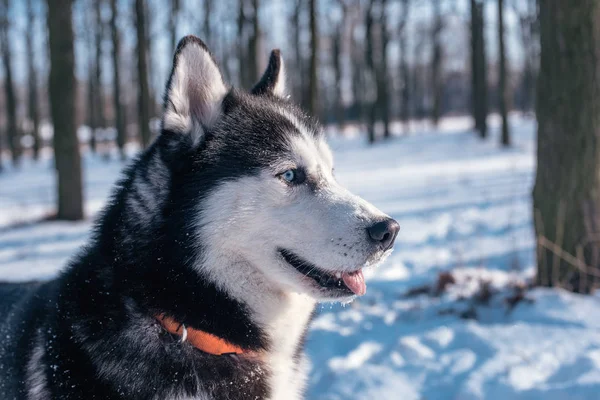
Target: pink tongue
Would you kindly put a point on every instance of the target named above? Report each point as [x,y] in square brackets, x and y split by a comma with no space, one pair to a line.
[355,282]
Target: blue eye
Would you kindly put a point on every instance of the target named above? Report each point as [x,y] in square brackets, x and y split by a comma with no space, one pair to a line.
[289,175]
[294,176]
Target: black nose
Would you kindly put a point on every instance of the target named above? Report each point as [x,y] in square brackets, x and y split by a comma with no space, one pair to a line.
[384,232]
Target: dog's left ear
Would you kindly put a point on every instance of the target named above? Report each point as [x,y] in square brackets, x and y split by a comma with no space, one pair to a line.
[195,90]
[273,80]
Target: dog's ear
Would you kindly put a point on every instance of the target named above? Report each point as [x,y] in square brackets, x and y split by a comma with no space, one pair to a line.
[194,91]
[273,80]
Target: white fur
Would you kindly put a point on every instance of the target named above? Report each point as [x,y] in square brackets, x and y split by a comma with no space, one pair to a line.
[35,376]
[262,213]
[195,92]
[280,88]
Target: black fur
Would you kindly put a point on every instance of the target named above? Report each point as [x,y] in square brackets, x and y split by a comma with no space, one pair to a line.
[97,319]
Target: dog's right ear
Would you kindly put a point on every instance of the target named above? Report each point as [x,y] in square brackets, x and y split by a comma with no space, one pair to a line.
[194,91]
[273,80]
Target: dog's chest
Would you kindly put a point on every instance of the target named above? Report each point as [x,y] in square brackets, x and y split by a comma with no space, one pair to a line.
[286,360]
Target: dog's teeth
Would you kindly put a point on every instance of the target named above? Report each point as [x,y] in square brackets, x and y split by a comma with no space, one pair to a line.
[338,275]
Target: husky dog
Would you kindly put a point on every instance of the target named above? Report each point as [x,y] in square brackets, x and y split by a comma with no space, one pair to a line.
[205,267]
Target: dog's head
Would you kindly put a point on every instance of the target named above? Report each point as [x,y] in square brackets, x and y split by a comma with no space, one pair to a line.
[262,186]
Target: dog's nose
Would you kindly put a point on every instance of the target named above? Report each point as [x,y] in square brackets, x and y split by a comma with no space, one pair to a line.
[384,232]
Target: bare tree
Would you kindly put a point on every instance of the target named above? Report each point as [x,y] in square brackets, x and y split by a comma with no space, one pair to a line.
[528,29]
[173,21]
[382,77]
[502,76]
[338,37]
[208,8]
[296,30]
[404,69]
[479,101]
[32,81]
[253,45]
[142,70]
[370,72]
[313,103]
[566,196]
[116,64]
[12,128]
[99,93]
[357,54]
[95,106]
[92,119]
[242,51]
[436,61]
[62,100]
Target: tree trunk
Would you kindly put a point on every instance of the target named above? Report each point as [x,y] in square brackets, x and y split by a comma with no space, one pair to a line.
[173,20]
[383,76]
[505,140]
[61,89]
[338,36]
[436,63]
[118,107]
[253,46]
[208,6]
[358,62]
[313,103]
[404,70]
[370,73]
[32,82]
[566,196]
[478,69]
[142,69]
[12,128]
[299,67]
[91,104]
[99,98]
[241,23]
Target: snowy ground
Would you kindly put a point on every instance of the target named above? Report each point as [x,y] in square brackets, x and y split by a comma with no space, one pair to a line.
[464,206]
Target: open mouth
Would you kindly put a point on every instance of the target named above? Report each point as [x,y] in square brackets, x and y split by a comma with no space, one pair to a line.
[340,283]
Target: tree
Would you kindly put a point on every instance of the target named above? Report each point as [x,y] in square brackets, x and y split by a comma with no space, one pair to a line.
[253,45]
[208,7]
[62,100]
[436,61]
[173,21]
[242,51]
[528,29]
[404,69]
[296,32]
[338,40]
[32,82]
[142,69]
[505,140]
[370,71]
[479,101]
[99,92]
[382,77]
[94,45]
[313,94]
[10,96]
[566,196]
[118,108]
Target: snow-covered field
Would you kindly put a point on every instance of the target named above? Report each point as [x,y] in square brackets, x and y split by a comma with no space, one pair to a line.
[464,206]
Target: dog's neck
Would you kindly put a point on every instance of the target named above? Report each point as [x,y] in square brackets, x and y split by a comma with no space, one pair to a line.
[284,315]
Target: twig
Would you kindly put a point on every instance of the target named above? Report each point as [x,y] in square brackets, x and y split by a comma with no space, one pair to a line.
[567,257]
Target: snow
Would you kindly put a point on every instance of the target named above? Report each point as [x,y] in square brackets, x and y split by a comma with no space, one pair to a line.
[464,206]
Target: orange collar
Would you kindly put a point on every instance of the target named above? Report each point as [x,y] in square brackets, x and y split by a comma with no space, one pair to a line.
[201,340]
